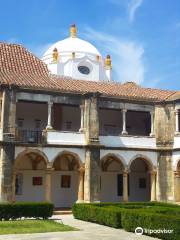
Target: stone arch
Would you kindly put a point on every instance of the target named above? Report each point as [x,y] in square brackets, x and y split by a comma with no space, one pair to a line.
[178,167]
[73,161]
[35,156]
[109,158]
[144,158]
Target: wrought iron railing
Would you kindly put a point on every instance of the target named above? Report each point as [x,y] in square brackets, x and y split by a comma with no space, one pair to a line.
[23,136]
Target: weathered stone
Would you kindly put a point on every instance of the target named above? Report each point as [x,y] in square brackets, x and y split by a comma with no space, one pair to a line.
[92,175]
[8,148]
[164,130]
[91,119]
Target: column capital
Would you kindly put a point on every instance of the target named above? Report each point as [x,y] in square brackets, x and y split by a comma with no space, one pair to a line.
[81,169]
[177,174]
[124,110]
[125,172]
[153,172]
[176,111]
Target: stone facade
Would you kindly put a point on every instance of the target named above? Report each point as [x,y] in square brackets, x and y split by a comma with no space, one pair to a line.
[164,181]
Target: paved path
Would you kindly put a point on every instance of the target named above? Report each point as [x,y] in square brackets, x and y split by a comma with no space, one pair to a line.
[88,231]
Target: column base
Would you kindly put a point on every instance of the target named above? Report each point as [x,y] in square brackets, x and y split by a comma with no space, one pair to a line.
[124,133]
[151,134]
[49,128]
[81,130]
[80,201]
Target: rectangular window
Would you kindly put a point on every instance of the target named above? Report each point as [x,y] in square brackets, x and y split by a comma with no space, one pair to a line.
[37,123]
[68,125]
[20,122]
[142,182]
[37,181]
[120,184]
[18,184]
[65,181]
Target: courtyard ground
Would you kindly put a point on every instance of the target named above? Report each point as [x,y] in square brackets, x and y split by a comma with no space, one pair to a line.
[88,231]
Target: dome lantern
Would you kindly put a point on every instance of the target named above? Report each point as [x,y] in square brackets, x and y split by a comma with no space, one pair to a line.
[73,31]
[55,55]
[108,62]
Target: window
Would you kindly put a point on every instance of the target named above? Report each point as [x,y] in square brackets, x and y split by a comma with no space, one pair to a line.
[37,181]
[20,122]
[119,184]
[68,125]
[18,184]
[37,123]
[65,181]
[142,182]
[84,70]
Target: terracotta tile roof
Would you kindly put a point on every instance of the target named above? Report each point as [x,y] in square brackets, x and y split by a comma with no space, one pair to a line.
[21,68]
[16,58]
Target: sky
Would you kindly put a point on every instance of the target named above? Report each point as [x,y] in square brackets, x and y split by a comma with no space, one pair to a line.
[142,36]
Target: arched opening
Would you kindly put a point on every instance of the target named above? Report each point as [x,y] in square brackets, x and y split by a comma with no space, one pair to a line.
[139,180]
[65,179]
[29,177]
[111,183]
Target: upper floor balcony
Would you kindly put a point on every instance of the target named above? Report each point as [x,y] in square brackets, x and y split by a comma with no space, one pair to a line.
[54,123]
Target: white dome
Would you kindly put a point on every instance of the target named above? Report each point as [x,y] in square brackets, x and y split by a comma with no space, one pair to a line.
[72,44]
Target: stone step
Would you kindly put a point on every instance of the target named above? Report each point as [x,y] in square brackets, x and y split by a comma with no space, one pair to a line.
[62,211]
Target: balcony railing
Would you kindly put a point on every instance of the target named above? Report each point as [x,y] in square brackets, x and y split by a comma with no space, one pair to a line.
[23,136]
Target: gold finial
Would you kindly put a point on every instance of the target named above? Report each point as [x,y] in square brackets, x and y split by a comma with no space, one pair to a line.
[73,54]
[55,55]
[108,61]
[73,31]
[97,57]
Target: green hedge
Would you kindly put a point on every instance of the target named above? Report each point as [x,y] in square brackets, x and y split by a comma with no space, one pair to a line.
[153,221]
[19,210]
[104,216]
[152,216]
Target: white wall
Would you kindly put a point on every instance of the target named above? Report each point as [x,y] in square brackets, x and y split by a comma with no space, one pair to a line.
[64,197]
[109,187]
[30,192]
[128,141]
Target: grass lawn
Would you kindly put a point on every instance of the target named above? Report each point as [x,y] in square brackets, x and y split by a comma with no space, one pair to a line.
[32,226]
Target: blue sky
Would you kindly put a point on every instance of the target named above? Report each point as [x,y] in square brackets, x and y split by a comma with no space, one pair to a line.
[142,36]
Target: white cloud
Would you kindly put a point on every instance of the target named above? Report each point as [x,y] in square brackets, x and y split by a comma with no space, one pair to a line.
[127,56]
[132,8]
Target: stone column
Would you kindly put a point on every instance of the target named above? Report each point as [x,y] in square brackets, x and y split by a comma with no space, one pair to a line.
[81,185]
[8,147]
[14,186]
[82,118]
[153,185]
[49,123]
[125,186]
[152,124]
[177,186]
[124,132]
[91,118]
[48,176]
[92,175]
[177,121]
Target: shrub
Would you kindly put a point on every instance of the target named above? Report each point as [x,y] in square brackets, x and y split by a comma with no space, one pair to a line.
[152,216]
[92,213]
[18,210]
[152,221]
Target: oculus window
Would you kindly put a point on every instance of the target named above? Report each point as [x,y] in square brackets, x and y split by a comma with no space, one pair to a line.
[84,70]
